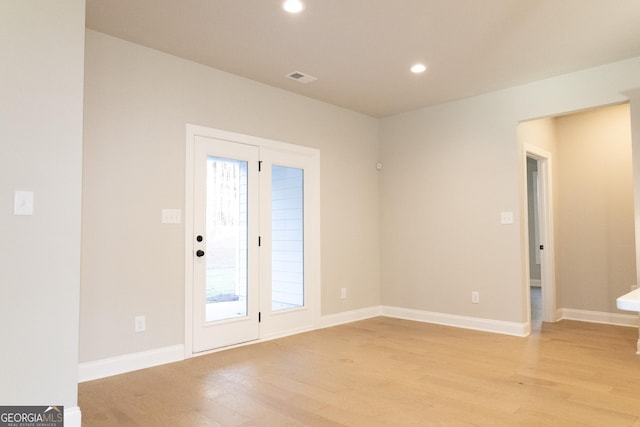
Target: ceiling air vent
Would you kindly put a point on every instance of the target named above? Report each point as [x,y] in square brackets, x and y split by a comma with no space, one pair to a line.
[301,77]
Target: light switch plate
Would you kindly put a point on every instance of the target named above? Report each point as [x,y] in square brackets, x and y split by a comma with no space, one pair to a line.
[140,323]
[23,203]
[171,216]
[506,217]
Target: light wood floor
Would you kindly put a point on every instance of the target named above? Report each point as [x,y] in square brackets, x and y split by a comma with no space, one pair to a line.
[388,372]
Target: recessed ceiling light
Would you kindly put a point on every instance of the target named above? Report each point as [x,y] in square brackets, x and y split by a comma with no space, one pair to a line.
[293,6]
[418,68]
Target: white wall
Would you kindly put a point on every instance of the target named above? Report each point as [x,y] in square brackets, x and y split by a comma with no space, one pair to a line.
[137,103]
[41,81]
[449,172]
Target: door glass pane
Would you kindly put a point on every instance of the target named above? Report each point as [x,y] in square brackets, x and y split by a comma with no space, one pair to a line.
[287,225]
[226,244]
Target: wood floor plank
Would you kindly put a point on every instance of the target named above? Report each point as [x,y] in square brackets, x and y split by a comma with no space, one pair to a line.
[388,372]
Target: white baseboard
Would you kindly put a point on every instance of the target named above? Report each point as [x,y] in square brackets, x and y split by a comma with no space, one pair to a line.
[349,316]
[617,319]
[475,323]
[536,283]
[147,359]
[129,362]
[132,362]
[72,417]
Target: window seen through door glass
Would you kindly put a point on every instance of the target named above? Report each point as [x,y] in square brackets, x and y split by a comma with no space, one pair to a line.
[287,201]
[227,231]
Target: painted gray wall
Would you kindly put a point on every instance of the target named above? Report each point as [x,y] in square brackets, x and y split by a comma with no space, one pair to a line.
[449,172]
[137,103]
[595,243]
[41,84]
[593,204]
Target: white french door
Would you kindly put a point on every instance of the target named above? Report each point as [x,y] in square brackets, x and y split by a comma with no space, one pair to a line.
[252,247]
[225,244]
[288,302]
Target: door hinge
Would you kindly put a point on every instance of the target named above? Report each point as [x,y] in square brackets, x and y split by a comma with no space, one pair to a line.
[542,247]
[259,165]
[259,241]
[259,317]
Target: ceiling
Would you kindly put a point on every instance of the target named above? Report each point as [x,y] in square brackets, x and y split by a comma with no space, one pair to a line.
[361,50]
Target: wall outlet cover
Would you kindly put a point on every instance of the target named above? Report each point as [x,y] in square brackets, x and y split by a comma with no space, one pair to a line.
[140,323]
[475,297]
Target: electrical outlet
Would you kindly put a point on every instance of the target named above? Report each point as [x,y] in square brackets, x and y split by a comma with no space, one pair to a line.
[343,293]
[475,297]
[140,324]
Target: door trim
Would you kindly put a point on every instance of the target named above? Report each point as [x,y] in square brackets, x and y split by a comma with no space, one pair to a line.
[312,230]
[549,312]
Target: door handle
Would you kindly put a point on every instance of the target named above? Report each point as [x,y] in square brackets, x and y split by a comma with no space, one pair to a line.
[199,253]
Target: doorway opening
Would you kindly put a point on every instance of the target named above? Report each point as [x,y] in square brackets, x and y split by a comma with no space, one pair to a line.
[540,290]
[535,245]
[592,218]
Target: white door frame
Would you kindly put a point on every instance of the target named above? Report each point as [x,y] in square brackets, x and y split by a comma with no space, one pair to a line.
[312,229]
[549,311]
